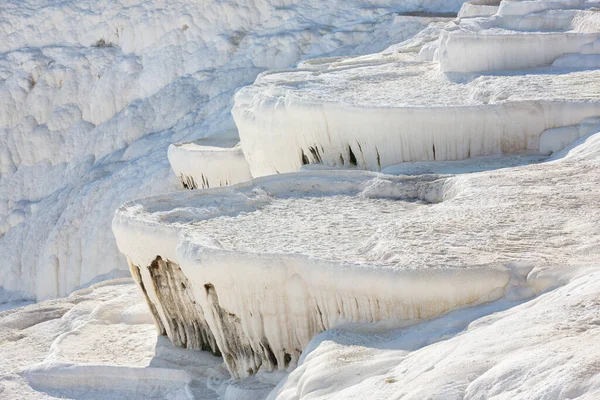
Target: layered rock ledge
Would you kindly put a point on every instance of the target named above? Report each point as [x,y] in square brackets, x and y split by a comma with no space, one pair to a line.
[253,271]
[452,92]
[208,163]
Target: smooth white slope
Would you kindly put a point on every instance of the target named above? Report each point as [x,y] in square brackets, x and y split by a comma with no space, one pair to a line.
[93,92]
[98,343]
[546,348]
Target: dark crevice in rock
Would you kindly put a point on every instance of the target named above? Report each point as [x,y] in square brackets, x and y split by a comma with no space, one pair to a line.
[287,358]
[268,351]
[321,323]
[137,275]
[185,318]
[315,154]
[188,182]
[204,181]
[234,345]
[362,156]
[352,156]
[303,157]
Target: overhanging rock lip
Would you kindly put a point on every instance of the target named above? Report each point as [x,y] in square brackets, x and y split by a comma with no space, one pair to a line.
[208,263]
[208,163]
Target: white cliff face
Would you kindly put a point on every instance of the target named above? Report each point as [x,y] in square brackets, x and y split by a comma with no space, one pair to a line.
[92,93]
[234,288]
[479,8]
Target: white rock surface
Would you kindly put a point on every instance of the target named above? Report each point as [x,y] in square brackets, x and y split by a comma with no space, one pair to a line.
[576,60]
[555,139]
[528,34]
[479,8]
[468,279]
[100,343]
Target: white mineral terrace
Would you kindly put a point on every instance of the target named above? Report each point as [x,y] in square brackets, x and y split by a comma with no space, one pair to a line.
[479,8]
[506,41]
[263,266]
[208,163]
[380,110]
[255,270]
[396,106]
